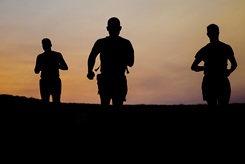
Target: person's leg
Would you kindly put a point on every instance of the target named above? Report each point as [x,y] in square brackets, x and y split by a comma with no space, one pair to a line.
[212,103]
[56,90]
[209,92]
[103,90]
[119,92]
[44,90]
[224,93]
[105,101]
[117,103]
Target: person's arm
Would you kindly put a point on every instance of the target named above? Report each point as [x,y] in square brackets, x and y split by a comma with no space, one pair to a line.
[91,60]
[195,65]
[233,62]
[62,64]
[198,59]
[130,61]
[37,68]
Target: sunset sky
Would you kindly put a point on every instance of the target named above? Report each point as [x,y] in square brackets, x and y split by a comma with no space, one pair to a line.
[166,34]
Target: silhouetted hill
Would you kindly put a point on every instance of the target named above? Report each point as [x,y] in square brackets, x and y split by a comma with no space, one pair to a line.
[174,127]
[20,109]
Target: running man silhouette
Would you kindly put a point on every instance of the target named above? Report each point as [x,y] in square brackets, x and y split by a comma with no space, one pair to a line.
[216,89]
[116,53]
[49,63]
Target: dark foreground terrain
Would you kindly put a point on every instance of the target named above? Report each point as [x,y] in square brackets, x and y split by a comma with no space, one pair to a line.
[174,132]
[18,110]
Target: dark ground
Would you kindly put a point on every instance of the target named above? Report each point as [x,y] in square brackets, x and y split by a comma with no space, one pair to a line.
[180,133]
[18,110]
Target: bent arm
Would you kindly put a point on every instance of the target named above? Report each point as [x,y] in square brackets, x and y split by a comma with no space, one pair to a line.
[130,61]
[233,65]
[92,57]
[63,65]
[195,65]
[37,68]
[91,61]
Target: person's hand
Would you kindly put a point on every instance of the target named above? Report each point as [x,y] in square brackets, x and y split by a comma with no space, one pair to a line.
[90,75]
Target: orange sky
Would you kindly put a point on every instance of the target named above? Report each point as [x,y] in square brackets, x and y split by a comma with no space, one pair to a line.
[165,35]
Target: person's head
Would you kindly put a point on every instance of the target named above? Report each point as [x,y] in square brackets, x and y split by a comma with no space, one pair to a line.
[113,26]
[46,43]
[213,32]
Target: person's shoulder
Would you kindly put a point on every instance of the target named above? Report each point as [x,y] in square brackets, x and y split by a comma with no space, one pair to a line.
[124,39]
[205,47]
[56,53]
[40,55]
[227,48]
[202,51]
[101,39]
[225,44]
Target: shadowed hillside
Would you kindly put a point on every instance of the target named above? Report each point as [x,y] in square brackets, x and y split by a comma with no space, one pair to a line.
[174,127]
[21,110]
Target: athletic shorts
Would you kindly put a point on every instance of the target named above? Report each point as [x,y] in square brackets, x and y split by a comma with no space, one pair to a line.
[216,88]
[112,86]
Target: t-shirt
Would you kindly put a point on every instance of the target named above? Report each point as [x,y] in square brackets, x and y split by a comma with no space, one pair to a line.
[215,57]
[115,54]
[48,63]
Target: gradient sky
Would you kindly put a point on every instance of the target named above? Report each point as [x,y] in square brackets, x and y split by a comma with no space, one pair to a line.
[166,34]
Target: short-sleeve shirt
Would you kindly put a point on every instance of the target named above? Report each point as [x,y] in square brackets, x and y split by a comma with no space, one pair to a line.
[49,64]
[215,57]
[115,54]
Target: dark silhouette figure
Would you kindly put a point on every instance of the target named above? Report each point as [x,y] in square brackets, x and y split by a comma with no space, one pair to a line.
[216,89]
[49,63]
[116,53]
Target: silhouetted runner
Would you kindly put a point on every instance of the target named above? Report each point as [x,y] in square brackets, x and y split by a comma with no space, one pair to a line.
[116,53]
[216,89]
[49,63]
